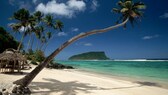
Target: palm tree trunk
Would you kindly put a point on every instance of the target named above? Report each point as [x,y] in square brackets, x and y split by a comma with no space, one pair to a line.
[25,81]
[37,44]
[28,44]
[54,34]
[41,46]
[18,49]
[32,42]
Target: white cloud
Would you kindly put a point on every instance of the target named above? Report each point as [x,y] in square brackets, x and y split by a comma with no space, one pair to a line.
[34,1]
[94,5]
[21,29]
[76,5]
[12,2]
[21,4]
[84,44]
[62,34]
[87,44]
[68,9]
[150,37]
[165,15]
[74,29]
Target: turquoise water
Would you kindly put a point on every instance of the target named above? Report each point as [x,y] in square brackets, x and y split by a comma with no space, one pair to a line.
[156,70]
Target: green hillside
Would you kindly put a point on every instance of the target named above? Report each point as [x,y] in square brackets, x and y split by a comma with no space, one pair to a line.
[90,56]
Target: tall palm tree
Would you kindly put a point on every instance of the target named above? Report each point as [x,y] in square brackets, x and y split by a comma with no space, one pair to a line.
[32,22]
[39,32]
[22,16]
[38,15]
[43,41]
[132,11]
[58,25]
[48,19]
[50,35]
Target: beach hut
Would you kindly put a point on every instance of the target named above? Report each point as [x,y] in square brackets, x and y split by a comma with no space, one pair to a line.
[11,60]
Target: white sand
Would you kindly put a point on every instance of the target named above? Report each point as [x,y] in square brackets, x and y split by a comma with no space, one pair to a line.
[72,82]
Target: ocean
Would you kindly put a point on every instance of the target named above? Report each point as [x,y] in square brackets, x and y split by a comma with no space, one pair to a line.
[156,71]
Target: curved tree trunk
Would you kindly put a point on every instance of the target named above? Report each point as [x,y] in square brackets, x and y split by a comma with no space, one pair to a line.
[25,81]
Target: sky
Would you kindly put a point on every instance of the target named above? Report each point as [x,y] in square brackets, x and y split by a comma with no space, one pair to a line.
[147,39]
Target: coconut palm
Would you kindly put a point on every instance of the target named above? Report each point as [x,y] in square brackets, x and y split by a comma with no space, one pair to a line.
[59,25]
[31,30]
[39,31]
[22,16]
[43,41]
[50,35]
[38,15]
[127,8]
[48,19]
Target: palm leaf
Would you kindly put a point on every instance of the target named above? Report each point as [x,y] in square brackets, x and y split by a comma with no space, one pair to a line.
[139,5]
[116,10]
[123,10]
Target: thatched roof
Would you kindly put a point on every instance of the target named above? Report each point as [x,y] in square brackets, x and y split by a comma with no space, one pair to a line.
[12,55]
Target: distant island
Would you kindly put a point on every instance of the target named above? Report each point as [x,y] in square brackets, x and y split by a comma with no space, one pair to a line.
[90,56]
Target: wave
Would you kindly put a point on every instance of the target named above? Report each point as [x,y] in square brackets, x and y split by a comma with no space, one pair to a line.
[138,60]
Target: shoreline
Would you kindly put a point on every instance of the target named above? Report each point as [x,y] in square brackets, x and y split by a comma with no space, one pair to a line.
[162,84]
[76,82]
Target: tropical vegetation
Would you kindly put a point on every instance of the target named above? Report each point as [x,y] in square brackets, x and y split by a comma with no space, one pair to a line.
[128,10]
[34,25]
[7,40]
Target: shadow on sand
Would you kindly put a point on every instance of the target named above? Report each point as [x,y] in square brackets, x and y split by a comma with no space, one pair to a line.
[140,84]
[66,88]
[71,88]
[148,84]
[15,73]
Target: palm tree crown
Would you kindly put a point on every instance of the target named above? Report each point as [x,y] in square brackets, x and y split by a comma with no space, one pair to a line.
[130,10]
[59,25]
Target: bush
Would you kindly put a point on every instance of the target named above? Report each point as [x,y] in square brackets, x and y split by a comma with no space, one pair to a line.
[34,62]
[39,56]
[35,56]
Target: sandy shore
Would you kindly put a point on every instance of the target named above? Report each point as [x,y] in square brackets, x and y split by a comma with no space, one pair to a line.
[73,82]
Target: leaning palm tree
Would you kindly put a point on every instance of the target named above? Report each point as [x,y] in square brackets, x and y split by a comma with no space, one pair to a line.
[127,8]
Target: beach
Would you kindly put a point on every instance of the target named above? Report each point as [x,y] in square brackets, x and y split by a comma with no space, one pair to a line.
[75,82]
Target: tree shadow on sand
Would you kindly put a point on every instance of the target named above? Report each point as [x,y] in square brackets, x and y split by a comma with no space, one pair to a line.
[66,88]
[140,84]
[71,88]
[148,84]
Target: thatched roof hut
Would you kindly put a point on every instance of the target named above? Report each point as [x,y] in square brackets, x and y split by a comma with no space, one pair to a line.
[11,60]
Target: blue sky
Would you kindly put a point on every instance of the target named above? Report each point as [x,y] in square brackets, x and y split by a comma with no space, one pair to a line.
[148,39]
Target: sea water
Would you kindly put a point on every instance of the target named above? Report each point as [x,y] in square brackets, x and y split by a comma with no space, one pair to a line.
[151,70]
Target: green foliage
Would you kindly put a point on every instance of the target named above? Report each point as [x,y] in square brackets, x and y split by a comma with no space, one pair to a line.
[129,9]
[90,56]
[36,56]
[34,62]
[39,55]
[36,23]
[7,40]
